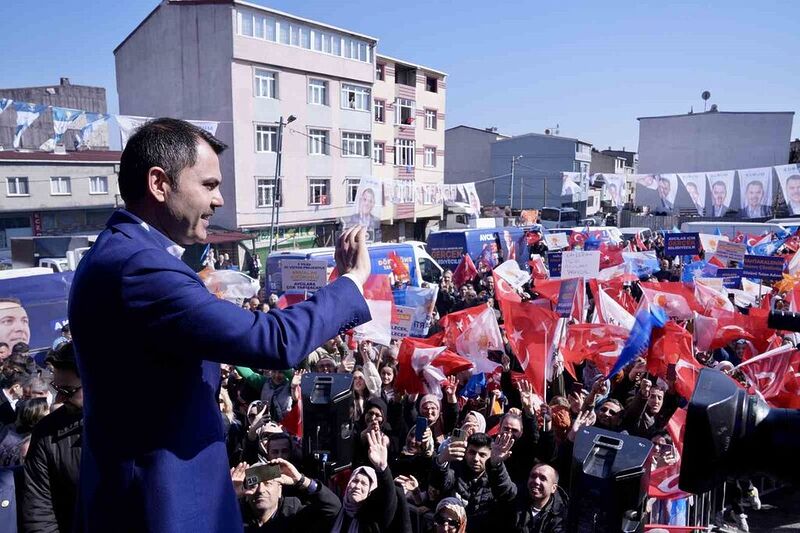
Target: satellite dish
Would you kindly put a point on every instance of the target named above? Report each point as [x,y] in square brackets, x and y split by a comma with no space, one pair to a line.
[706,95]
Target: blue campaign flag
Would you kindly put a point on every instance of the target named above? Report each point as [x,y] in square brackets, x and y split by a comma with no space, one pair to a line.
[475,386]
[647,317]
[642,264]
[768,248]
[693,270]
[718,232]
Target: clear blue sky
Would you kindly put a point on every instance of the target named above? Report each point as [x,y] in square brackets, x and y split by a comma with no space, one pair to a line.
[591,67]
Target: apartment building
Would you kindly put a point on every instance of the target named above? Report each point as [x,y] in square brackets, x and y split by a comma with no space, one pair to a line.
[247,66]
[408,131]
[56,194]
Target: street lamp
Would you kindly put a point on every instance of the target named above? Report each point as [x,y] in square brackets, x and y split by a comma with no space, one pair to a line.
[276,197]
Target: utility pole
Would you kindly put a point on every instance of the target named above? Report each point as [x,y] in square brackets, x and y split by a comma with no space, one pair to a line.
[276,196]
[514,160]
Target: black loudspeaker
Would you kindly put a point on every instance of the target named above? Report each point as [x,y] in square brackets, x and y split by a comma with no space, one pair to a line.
[327,426]
[609,479]
[784,320]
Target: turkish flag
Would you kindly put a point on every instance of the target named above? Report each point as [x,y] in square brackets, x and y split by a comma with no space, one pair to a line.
[678,288]
[687,370]
[667,346]
[530,329]
[675,305]
[664,480]
[716,262]
[399,268]
[766,372]
[789,395]
[577,238]
[538,270]
[289,299]
[465,271]
[753,327]
[599,343]
[610,255]
[739,238]
[615,289]
[421,367]
[454,324]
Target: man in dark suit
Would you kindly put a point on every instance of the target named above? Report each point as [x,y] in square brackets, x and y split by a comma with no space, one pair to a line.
[11,391]
[753,198]
[139,314]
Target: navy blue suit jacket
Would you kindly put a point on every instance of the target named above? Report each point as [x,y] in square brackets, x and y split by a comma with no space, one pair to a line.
[149,339]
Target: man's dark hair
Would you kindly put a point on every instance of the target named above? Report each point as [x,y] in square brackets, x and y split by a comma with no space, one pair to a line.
[65,328]
[720,182]
[793,177]
[21,348]
[168,143]
[3,344]
[14,378]
[11,300]
[612,401]
[479,440]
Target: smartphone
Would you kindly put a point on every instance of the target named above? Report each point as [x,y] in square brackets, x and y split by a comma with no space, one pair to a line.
[458,435]
[259,473]
[672,374]
[419,431]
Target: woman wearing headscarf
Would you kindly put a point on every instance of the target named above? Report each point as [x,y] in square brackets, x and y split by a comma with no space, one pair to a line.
[450,516]
[370,503]
[441,417]
[413,465]
[474,422]
[374,418]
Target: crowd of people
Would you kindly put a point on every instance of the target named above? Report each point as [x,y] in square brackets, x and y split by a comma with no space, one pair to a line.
[457,458]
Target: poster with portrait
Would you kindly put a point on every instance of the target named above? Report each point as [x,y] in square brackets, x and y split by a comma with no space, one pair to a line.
[645,190]
[789,178]
[721,186]
[449,193]
[667,189]
[695,185]
[755,186]
[613,188]
[33,309]
[368,208]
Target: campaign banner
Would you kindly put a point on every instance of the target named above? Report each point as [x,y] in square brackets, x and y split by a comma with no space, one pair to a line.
[566,296]
[755,185]
[721,186]
[367,209]
[731,277]
[642,264]
[554,260]
[401,321]
[695,185]
[34,308]
[731,251]
[422,300]
[613,188]
[789,178]
[303,274]
[681,244]
[580,264]
[763,267]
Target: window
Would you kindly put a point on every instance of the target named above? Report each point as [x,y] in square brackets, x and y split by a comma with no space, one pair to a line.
[318,191]
[404,112]
[355,97]
[430,119]
[581,148]
[404,152]
[336,46]
[430,156]
[284,32]
[305,37]
[431,84]
[590,201]
[294,31]
[98,185]
[326,43]
[258,27]
[380,111]
[318,92]
[318,142]
[351,189]
[246,23]
[379,153]
[265,192]
[270,27]
[17,187]
[404,75]
[355,144]
[380,72]
[266,138]
[317,41]
[266,83]
[60,185]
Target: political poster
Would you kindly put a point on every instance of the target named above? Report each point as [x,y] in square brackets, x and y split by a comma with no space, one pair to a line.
[556,241]
[401,321]
[667,189]
[763,266]
[789,178]
[645,192]
[554,261]
[613,188]
[472,199]
[681,244]
[422,300]
[367,209]
[731,277]
[303,274]
[579,264]
[730,251]
[721,186]
[33,309]
[566,296]
[695,185]
[755,186]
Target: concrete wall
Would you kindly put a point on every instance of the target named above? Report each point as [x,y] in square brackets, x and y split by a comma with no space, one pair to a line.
[92,99]
[706,142]
[537,174]
[178,64]
[469,158]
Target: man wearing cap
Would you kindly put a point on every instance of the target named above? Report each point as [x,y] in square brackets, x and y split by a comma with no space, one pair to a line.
[147,464]
[53,462]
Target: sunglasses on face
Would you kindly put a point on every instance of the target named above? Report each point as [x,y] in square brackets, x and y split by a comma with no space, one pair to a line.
[64,389]
[445,521]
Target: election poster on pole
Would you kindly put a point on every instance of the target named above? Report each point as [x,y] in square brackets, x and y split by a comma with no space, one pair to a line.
[303,274]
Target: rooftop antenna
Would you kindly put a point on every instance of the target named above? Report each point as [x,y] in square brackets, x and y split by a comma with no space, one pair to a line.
[705,96]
